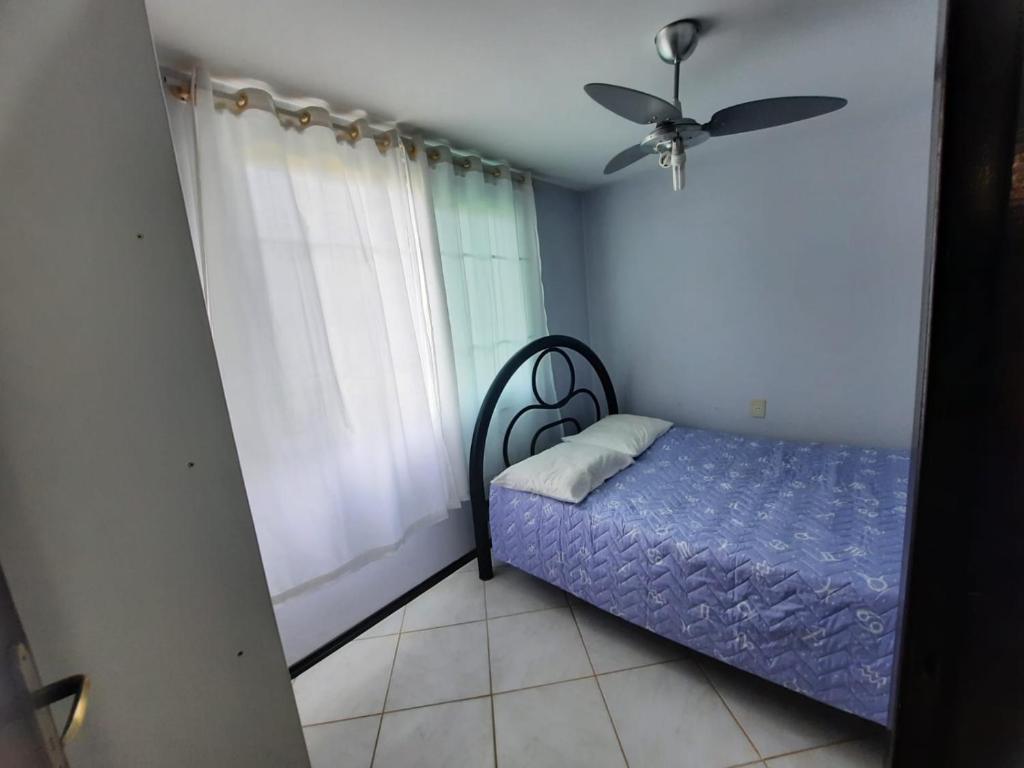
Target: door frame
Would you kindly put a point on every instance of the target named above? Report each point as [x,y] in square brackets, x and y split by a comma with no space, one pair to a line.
[960,697]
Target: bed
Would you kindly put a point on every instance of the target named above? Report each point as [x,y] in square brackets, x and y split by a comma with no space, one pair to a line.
[780,558]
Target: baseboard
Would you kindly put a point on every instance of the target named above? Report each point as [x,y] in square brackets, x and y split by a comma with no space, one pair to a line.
[352,633]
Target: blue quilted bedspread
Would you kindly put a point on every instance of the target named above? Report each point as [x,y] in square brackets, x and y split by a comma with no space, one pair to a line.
[776,557]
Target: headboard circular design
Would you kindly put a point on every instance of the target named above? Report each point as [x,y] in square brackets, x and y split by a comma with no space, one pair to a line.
[543,347]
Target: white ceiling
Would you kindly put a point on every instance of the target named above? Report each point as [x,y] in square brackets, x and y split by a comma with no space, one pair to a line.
[505,77]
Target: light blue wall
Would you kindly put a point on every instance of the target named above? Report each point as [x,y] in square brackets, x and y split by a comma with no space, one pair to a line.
[790,268]
[560,231]
[560,227]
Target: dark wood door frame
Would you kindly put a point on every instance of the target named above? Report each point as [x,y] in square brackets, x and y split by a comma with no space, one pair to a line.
[961,697]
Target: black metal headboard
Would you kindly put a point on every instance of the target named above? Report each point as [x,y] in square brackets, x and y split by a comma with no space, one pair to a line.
[549,345]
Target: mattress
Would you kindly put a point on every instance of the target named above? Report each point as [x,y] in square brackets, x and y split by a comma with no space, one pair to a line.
[780,558]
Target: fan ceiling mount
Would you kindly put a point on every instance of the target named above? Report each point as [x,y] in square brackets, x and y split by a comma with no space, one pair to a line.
[673,133]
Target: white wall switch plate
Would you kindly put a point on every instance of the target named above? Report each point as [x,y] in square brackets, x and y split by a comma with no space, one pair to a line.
[758,408]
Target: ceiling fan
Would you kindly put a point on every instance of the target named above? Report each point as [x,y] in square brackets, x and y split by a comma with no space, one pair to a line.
[673,134]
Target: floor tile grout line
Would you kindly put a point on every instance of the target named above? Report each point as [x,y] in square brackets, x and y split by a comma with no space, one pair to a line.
[531,610]
[387,690]
[490,681]
[367,636]
[812,749]
[468,621]
[342,720]
[403,630]
[545,685]
[597,682]
[728,709]
[574,680]
[761,755]
[399,711]
[762,759]
[500,693]
[752,764]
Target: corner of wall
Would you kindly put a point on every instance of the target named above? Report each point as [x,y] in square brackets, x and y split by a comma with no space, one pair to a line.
[585,264]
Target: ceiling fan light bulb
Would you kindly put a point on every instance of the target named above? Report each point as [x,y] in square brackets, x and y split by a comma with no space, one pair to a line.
[678,163]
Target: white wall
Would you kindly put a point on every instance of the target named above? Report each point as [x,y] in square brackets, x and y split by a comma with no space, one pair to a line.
[124,529]
[790,268]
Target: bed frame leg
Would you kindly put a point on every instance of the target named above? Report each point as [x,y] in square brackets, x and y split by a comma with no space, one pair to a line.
[483,551]
[482,532]
[483,562]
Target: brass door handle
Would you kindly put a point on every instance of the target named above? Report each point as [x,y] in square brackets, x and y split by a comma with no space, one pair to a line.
[75,685]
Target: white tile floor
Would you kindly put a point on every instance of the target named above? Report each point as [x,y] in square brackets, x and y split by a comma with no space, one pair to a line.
[511,673]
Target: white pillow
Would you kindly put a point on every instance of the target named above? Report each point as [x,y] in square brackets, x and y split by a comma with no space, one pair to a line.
[565,472]
[622,432]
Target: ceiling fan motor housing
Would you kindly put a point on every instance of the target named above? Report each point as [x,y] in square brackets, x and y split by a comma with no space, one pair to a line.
[660,139]
[676,41]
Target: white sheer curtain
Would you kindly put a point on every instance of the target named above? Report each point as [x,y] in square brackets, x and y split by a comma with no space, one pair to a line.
[329,320]
[487,233]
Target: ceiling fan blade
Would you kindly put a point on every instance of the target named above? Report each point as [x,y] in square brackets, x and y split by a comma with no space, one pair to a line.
[765,113]
[631,104]
[626,157]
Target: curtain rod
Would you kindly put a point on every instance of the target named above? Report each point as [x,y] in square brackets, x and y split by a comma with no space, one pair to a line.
[179,84]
